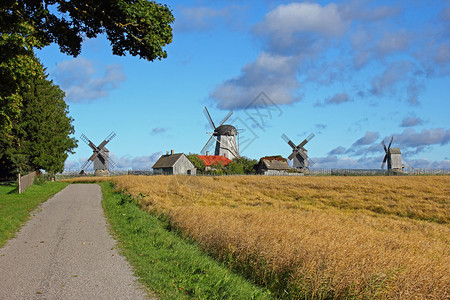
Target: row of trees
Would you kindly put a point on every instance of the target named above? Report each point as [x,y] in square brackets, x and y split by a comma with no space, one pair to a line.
[241,165]
[35,127]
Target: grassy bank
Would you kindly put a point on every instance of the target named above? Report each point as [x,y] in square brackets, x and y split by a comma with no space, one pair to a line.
[15,209]
[168,265]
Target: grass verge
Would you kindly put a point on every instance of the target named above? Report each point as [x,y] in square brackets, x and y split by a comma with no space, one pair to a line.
[167,264]
[15,208]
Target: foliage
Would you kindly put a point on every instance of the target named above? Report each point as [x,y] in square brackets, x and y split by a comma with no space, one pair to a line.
[168,265]
[315,237]
[141,27]
[247,164]
[39,137]
[15,208]
[197,162]
[235,168]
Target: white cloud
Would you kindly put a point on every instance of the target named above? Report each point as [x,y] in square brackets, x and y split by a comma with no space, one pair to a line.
[82,81]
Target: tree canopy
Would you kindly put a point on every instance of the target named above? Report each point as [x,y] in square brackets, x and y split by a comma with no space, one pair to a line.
[139,27]
[40,134]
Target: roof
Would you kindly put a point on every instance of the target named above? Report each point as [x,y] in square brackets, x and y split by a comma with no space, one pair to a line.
[209,160]
[167,161]
[225,130]
[275,163]
[395,151]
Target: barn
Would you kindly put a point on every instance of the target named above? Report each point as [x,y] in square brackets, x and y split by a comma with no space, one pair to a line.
[272,165]
[174,164]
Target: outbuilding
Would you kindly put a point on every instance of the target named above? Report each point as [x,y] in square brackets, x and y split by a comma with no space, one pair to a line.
[174,164]
[272,165]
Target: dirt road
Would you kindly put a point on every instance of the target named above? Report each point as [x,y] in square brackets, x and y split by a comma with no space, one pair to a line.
[66,252]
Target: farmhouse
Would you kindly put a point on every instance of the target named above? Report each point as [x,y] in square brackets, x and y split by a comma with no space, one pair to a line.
[272,165]
[211,160]
[174,164]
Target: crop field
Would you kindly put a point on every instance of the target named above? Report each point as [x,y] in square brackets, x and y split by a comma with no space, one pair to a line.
[314,237]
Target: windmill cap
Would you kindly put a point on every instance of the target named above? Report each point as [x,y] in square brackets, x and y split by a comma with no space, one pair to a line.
[395,151]
[225,130]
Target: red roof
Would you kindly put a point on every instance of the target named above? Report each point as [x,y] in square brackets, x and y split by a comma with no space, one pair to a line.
[208,160]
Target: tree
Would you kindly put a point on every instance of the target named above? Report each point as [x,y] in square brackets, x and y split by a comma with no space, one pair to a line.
[139,27]
[247,164]
[197,162]
[39,138]
[235,168]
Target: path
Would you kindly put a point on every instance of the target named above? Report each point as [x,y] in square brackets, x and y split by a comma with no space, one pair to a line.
[65,252]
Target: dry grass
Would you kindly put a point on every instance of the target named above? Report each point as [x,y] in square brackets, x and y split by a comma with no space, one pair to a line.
[321,237]
[86,179]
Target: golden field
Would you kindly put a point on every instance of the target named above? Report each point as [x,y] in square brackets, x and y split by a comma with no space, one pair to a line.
[315,237]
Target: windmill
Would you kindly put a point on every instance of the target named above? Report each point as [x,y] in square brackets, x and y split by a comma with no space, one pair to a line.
[393,157]
[100,157]
[224,136]
[299,153]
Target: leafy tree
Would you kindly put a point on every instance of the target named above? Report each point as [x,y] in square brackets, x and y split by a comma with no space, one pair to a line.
[235,168]
[39,138]
[139,27]
[247,164]
[197,162]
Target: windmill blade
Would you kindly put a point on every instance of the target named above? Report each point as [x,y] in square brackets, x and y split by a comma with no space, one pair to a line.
[311,162]
[208,116]
[86,164]
[112,164]
[208,144]
[302,154]
[384,161]
[389,147]
[106,141]
[384,146]
[306,140]
[290,143]
[293,154]
[88,142]
[94,156]
[226,118]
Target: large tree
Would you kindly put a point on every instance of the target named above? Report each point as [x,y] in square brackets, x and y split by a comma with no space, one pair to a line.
[40,134]
[139,27]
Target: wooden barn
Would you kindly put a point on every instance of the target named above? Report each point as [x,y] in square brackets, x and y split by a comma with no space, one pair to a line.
[174,164]
[272,165]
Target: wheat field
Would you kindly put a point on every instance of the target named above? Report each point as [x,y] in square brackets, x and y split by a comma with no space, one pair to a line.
[315,237]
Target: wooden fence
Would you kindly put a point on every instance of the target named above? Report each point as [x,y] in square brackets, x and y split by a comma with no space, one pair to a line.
[25,181]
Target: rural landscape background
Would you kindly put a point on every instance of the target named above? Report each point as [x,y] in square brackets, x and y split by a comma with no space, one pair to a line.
[352,72]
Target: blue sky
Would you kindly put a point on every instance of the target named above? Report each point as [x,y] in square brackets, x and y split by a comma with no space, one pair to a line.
[351,72]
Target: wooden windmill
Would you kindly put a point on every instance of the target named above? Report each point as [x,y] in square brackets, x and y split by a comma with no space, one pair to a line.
[100,155]
[224,136]
[299,153]
[393,157]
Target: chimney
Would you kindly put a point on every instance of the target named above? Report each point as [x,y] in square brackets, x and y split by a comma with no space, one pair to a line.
[207,153]
[171,152]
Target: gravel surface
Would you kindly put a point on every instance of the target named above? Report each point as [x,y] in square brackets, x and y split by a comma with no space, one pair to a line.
[65,252]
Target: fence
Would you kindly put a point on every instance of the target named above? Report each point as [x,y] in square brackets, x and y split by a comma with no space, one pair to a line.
[25,181]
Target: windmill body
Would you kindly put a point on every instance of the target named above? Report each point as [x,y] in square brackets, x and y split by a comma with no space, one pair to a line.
[392,157]
[224,136]
[100,155]
[299,154]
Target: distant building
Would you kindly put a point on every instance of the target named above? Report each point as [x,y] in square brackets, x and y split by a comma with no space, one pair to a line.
[395,159]
[211,160]
[174,164]
[272,165]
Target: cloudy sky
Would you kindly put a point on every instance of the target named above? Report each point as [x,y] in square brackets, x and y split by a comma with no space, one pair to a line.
[353,72]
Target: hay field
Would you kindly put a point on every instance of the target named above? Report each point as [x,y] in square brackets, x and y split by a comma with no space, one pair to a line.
[320,237]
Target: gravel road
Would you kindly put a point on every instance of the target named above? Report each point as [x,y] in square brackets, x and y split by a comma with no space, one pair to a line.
[65,252]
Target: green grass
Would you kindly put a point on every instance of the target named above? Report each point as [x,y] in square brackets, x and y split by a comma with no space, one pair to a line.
[15,209]
[166,264]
